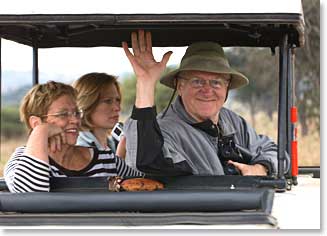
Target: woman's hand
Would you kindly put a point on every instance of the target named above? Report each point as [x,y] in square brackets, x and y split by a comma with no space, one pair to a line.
[56,138]
[43,139]
[147,70]
[256,169]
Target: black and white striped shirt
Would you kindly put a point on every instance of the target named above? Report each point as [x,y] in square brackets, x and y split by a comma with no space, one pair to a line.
[25,173]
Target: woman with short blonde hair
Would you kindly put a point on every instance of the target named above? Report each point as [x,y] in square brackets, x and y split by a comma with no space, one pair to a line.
[38,100]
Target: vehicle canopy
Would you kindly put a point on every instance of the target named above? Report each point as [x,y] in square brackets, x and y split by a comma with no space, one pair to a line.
[253,23]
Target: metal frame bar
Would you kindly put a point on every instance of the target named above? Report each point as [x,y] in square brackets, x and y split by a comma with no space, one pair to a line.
[290,104]
[289,99]
[35,65]
[282,104]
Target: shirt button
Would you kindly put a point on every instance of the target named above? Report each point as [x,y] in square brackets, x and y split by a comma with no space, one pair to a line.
[213,126]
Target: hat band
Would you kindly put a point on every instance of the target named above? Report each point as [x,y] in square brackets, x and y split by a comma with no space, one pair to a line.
[218,65]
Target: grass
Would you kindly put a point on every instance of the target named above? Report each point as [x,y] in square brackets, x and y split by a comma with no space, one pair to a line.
[8,146]
[308,146]
[309,149]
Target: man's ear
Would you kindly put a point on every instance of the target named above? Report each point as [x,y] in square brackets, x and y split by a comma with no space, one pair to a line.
[34,121]
[178,86]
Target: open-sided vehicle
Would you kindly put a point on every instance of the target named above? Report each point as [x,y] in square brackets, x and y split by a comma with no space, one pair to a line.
[222,201]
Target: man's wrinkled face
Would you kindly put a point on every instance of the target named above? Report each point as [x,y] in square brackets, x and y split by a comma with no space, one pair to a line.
[203,93]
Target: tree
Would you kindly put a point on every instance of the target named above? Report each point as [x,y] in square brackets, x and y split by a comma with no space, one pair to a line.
[307,72]
[128,93]
[162,96]
[260,68]
[257,64]
[11,126]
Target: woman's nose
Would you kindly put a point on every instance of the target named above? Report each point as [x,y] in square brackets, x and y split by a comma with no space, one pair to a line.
[117,106]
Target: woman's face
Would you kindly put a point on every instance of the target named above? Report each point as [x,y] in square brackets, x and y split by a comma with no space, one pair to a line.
[63,112]
[106,113]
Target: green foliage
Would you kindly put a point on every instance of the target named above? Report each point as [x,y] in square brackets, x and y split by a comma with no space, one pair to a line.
[260,67]
[128,93]
[11,126]
[162,96]
[163,93]
[262,71]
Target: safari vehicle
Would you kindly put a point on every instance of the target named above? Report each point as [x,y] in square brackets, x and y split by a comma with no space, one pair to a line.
[212,201]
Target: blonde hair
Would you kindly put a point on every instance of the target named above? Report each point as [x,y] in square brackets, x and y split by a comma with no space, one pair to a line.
[39,98]
[89,88]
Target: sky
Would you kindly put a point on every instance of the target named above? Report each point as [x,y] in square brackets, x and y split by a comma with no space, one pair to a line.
[72,61]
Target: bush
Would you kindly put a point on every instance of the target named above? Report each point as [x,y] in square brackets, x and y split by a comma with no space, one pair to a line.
[11,126]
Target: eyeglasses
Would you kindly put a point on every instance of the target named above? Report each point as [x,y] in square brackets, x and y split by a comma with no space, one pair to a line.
[65,115]
[214,83]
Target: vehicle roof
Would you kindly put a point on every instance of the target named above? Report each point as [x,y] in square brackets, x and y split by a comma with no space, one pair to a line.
[143,7]
[259,24]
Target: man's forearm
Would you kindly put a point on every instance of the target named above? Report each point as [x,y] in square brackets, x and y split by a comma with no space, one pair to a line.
[144,94]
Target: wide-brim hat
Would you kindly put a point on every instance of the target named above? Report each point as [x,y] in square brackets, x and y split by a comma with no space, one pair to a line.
[207,57]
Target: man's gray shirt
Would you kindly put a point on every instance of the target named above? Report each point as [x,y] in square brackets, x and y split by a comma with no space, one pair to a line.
[184,142]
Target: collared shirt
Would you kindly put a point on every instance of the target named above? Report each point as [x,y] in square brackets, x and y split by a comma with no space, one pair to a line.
[87,139]
[177,144]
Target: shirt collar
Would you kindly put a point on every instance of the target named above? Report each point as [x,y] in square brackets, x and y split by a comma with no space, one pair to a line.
[223,127]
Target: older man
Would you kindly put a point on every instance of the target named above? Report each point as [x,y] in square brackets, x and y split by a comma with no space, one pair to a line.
[190,136]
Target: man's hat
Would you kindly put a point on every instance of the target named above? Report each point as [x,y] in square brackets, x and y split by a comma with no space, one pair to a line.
[208,57]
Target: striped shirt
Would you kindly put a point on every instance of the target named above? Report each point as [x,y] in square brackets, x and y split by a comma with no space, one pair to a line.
[25,173]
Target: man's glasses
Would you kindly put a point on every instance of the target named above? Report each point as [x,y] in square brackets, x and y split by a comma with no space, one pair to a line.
[65,115]
[200,83]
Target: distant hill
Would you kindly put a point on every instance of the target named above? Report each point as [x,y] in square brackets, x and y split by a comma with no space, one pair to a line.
[12,80]
[14,97]
[15,84]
